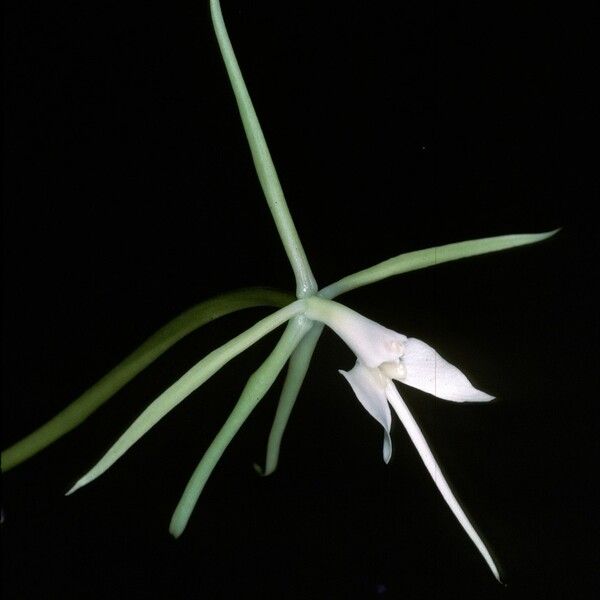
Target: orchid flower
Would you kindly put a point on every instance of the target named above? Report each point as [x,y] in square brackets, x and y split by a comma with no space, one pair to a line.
[383,356]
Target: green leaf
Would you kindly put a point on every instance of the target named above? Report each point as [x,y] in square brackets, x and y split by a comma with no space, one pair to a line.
[81,408]
[421,259]
[257,386]
[265,169]
[298,366]
[185,385]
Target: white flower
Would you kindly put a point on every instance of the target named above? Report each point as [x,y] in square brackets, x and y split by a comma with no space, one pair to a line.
[420,367]
[383,356]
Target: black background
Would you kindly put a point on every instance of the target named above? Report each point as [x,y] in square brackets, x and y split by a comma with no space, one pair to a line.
[130,196]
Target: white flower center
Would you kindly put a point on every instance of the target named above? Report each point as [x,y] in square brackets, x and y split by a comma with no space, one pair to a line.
[393,370]
[395,347]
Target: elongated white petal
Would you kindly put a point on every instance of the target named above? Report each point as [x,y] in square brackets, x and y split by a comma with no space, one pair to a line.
[426,370]
[426,455]
[372,343]
[369,387]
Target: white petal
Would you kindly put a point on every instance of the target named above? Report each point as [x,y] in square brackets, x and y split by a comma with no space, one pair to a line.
[372,343]
[369,387]
[426,370]
[427,457]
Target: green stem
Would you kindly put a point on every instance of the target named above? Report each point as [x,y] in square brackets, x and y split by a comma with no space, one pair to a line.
[81,408]
[297,368]
[265,169]
[421,259]
[257,386]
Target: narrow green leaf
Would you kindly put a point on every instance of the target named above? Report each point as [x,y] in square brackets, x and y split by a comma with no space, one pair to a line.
[421,259]
[298,366]
[81,408]
[257,386]
[265,169]
[185,385]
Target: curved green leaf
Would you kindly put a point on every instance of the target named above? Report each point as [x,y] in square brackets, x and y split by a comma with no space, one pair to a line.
[81,408]
[255,389]
[185,385]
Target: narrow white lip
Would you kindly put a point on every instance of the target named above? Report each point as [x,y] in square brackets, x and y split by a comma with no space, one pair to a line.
[418,439]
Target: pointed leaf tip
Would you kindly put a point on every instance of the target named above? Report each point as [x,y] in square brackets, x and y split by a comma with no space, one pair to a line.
[74,488]
[548,234]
